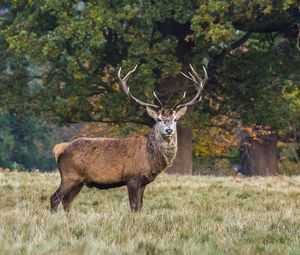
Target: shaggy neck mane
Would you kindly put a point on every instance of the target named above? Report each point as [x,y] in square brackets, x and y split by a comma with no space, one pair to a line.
[162,149]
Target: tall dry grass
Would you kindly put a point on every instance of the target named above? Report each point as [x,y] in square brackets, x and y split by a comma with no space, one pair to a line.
[181,215]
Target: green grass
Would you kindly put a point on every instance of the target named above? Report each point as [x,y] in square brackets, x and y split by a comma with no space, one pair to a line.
[181,215]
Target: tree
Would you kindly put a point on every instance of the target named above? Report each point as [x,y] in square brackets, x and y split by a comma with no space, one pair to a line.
[80,45]
[258,152]
[25,142]
[24,139]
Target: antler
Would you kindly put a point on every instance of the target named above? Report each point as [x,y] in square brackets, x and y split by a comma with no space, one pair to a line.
[160,103]
[126,89]
[181,100]
[200,83]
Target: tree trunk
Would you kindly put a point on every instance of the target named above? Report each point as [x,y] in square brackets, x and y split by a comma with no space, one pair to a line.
[298,142]
[259,157]
[183,163]
[174,87]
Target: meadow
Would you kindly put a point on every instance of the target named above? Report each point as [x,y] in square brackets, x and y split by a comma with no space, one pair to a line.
[181,215]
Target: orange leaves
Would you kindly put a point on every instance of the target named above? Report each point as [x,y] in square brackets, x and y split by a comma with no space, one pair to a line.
[219,140]
[258,132]
[214,142]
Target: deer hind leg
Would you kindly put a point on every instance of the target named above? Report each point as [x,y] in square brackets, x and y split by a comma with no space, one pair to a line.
[57,197]
[70,196]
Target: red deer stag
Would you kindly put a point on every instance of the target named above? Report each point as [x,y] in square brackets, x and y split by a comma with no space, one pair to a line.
[133,161]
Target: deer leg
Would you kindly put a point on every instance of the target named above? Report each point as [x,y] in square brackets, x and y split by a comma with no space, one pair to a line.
[70,196]
[55,199]
[133,187]
[58,195]
[141,195]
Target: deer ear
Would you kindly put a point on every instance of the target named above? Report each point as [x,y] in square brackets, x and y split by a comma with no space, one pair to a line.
[181,112]
[152,113]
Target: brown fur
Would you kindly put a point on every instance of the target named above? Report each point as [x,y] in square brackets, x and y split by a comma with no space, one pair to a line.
[167,113]
[58,149]
[108,163]
[105,160]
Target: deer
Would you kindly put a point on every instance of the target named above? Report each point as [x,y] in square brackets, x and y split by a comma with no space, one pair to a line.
[133,161]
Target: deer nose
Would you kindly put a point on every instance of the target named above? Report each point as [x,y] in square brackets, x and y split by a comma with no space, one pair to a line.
[169,131]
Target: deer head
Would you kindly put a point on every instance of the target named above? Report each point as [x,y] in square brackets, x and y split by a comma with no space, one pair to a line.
[166,119]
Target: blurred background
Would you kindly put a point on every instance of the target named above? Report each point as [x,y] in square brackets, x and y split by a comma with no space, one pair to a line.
[58,79]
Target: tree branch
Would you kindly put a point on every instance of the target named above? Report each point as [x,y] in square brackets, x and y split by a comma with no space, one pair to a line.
[240,41]
[276,21]
[219,59]
[298,38]
[34,77]
[41,76]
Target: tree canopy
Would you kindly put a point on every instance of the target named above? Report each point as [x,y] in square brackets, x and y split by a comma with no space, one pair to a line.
[71,51]
[75,49]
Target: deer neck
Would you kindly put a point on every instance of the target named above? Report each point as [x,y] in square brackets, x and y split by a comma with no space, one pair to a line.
[162,149]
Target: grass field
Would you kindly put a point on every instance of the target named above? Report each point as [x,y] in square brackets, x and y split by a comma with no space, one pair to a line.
[181,215]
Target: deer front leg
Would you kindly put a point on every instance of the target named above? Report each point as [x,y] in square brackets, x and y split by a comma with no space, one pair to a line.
[133,187]
[141,196]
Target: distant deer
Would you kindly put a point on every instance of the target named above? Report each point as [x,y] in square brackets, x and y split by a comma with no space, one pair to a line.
[133,161]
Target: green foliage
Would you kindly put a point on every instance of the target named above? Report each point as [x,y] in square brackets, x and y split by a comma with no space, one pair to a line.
[261,88]
[7,142]
[80,49]
[24,139]
[24,143]
[218,20]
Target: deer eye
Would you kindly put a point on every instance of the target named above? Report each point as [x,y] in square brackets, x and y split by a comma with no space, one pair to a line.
[159,120]
[175,120]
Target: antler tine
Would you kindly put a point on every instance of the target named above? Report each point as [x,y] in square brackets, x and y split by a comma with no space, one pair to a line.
[193,78]
[126,88]
[129,73]
[181,100]
[160,103]
[198,81]
[194,72]
[205,73]
[186,76]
